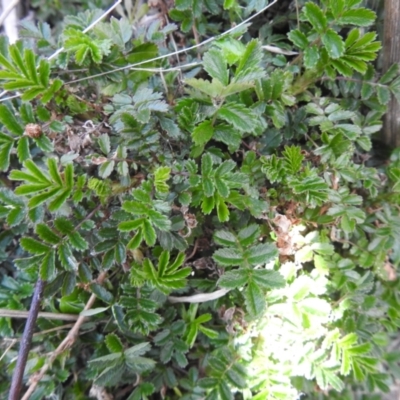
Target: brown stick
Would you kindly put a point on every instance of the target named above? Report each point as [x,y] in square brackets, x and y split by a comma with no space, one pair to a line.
[47,315]
[391,55]
[64,345]
[16,383]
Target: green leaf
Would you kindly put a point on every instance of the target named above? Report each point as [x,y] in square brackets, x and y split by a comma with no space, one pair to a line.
[47,234]
[59,200]
[208,186]
[261,253]
[206,164]
[33,246]
[5,152]
[315,16]
[251,57]
[149,234]
[224,238]
[311,56]
[254,299]
[40,198]
[268,279]
[358,17]
[16,216]
[159,220]
[106,169]
[47,268]
[102,293]
[222,210]
[228,257]
[333,44]
[383,93]
[298,38]
[7,118]
[216,66]
[128,226]
[239,116]
[53,171]
[293,159]
[161,175]
[207,204]
[23,149]
[134,243]
[66,257]
[233,279]
[337,7]
[225,168]
[77,241]
[203,133]
[248,235]
[36,172]
[390,74]
[104,143]
[113,343]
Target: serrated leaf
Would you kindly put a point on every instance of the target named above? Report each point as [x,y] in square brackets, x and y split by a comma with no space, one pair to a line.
[390,74]
[102,293]
[233,279]
[77,241]
[251,57]
[113,343]
[149,234]
[47,268]
[159,220]
[298,38]
[47,234]
[383,93]
[106,169]
[228,257]
[315,16]
[104,143]
[59,200]
[222,211]
[216,66]
[239,116]
[7,118]
[66,257]
[5,152]
[261,253]
[268,279]
[128,226]
[333,43]
[134,243]
[23,149]
[208,204]
[16,216]
[249,235]
[33,246]
[311,56]
[224,238]
[358,17]
[161,175]
[202,133]
[254,299]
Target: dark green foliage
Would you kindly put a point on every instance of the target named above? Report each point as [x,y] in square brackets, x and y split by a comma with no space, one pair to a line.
[248,230]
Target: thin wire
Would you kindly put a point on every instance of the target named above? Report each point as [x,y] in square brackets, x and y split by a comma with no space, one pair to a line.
[89,27]
[131,66]
[176,52]
[62,48]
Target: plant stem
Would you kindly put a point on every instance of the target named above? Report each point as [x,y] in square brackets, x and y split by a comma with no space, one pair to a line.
[65,344]
[18,374]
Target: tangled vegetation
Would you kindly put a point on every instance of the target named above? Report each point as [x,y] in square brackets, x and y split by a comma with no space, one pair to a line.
[219,215]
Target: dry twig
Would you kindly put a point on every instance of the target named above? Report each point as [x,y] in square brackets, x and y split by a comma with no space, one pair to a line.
[64,345]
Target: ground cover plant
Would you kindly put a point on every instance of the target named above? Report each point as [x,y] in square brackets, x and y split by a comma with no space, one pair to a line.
[211,224]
